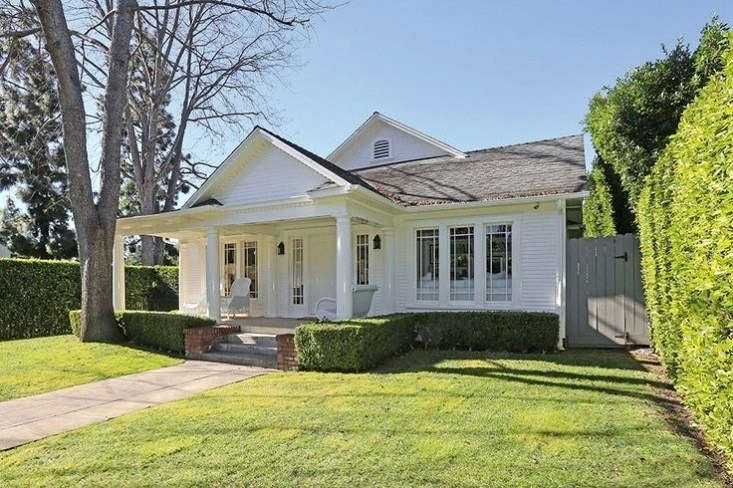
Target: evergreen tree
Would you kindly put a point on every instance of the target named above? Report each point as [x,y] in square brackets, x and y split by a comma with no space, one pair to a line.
[32,159]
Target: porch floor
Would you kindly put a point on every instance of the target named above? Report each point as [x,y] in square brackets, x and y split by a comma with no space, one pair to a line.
[267,325]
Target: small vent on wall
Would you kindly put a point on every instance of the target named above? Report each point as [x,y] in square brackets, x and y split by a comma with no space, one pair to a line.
[382,149]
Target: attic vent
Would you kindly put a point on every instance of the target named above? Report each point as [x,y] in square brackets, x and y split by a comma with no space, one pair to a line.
[381,149]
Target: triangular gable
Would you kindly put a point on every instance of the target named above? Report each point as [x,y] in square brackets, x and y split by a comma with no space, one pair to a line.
[265,167]
[405,143]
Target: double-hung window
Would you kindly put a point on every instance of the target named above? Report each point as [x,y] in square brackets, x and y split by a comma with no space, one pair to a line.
[427,251]
[499,263]
[362,259]
[461,263]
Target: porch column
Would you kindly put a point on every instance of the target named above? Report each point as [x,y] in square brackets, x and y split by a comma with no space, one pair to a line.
[344,298]
[389,270]
[213,281]
[118,273]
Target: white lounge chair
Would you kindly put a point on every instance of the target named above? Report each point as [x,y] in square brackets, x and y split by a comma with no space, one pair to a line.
[238,299]
[362,301]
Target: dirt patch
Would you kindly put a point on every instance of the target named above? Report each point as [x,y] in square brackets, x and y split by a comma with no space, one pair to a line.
[676,414]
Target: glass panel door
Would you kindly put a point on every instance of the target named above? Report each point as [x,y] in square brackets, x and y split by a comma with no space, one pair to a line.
[297,272]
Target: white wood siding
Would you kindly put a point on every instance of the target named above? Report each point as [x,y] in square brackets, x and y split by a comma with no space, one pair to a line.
[539,248]
[191,273]
[272,175]
[403,146]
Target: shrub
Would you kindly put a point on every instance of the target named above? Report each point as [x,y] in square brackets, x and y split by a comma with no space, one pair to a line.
[151,288]
[686,222]
[496,331]
[159,330]
[357,345]
[37,295]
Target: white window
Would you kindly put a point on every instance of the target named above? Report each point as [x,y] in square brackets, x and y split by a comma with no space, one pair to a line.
[297,271]
[427,264]
[249,265]
[382,149]
[461,263]
[362,259]
[230,267]
[499,263]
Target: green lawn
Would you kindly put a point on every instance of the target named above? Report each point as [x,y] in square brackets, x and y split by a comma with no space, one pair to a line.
[31,366]
[425,419]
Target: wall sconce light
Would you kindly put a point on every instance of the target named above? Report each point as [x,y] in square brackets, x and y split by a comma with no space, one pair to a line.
[281,248]
[377,242]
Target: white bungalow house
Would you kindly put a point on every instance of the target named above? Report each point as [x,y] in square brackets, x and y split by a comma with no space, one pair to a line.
[433,227]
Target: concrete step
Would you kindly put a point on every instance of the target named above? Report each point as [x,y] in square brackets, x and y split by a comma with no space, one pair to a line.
[265,340]
[261,360]
[245,348]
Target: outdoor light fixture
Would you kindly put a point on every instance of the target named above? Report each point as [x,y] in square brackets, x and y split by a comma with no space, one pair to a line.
[377,242]
[281,248]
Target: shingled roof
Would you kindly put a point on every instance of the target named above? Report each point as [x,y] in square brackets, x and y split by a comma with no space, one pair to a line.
[547,167]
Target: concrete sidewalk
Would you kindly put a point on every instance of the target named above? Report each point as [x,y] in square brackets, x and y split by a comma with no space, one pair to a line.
[31,418]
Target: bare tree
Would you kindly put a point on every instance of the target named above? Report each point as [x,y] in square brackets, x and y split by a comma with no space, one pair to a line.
[104,48]
[202,64]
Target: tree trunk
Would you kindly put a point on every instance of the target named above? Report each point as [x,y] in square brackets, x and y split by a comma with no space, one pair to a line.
[95,221]
[147,207]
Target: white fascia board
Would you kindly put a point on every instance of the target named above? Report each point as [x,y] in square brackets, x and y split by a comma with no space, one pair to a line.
[400,126]
[494,203]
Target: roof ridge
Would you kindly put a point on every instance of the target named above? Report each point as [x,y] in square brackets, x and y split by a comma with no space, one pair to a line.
[525,143]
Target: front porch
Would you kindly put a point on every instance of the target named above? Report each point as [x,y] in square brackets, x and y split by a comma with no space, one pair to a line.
[267,325]
[293,255]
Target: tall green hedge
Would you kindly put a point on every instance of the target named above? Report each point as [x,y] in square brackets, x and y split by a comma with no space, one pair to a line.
[598,207]
[37,295]
[686,224]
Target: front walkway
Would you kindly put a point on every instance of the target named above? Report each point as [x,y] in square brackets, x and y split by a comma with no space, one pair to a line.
[31,418]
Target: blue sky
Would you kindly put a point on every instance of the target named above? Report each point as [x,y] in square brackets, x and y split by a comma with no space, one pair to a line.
[475,73]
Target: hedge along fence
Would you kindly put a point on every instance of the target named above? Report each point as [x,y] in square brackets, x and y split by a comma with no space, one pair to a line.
[360,344]
[159,330]
[37,295]
[686,224]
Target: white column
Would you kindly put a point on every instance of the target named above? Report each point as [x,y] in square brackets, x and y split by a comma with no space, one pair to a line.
[213,281]
[388,244]
[344,298]
[118,273]
[479,268]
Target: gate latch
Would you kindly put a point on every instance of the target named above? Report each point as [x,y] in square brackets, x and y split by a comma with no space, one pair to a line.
[624,256]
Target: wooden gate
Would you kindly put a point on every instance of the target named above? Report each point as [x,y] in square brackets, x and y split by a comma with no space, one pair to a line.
[605,303]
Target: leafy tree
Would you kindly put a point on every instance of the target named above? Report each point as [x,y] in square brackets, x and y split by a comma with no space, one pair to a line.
[32,156]
[631,122]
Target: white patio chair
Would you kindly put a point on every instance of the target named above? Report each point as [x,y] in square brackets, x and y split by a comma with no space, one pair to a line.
[362,296]
[238,299]
[195,305]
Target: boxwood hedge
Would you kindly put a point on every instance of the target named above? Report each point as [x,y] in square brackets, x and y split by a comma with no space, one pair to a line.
[36,295]
[686,224]
[359,344]
[159,330]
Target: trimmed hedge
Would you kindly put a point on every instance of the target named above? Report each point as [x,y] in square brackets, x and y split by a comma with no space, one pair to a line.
[151,288]
[37,295]
[159,330]
[686,223]
[357,345]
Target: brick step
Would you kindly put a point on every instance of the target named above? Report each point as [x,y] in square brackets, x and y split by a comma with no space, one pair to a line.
[264,340]
[245,348]
[261,360]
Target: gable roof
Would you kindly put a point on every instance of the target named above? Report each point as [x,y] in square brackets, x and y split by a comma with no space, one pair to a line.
[378,117]
[539,168]
[334,173]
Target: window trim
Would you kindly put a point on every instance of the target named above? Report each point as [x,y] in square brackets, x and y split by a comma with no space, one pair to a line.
[365,247]
[512,249]
[472,267]
[415,288]
[292,272]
